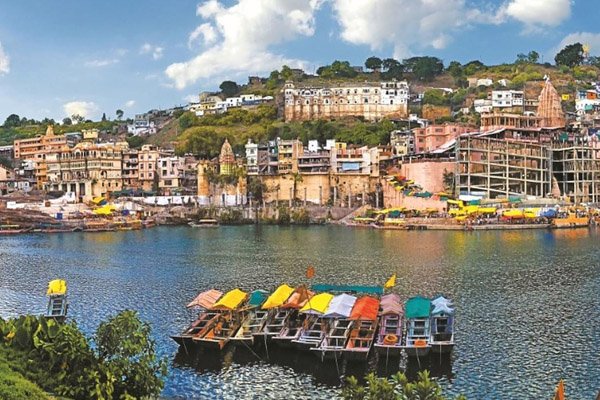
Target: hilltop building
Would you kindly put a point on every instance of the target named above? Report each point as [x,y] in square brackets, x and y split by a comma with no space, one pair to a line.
[371,101]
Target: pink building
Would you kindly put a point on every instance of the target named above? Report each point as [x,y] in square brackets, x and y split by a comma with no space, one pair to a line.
[433,136]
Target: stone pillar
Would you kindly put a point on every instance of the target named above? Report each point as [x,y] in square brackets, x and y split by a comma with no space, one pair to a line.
[304,196]
[334,195]
[291,194]
[320,195]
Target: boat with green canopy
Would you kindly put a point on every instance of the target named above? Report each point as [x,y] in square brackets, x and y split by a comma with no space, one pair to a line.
[254,320]
[417,312]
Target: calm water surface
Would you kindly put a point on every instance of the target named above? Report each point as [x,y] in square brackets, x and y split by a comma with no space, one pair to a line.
[527,302]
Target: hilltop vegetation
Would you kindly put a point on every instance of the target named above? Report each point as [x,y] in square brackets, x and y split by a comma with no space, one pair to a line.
[203,136]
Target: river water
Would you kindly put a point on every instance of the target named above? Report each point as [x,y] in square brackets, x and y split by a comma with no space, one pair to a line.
[527,301]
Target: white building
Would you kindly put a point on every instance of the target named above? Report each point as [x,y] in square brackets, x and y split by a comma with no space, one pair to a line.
[507,98]
[251,157]
[170,173]
[482,106]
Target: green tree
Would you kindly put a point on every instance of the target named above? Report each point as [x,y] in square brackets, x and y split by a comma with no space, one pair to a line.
[455,69]
[13,120]
[120,114]
[125,345]
[473,67]
[67,121]
[533,57]
[135,142]
[258,188]
[187,120]
[424,68]
[103,117]
[229,88]
[570,56]
[76,118]
[373,63]
[436,97]
[286,73]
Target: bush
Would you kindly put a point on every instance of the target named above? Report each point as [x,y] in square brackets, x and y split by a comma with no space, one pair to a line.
[284,216]
[396,388]
[60,359]
[301,216]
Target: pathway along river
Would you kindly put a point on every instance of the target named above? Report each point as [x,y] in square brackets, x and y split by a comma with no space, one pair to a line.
[527,302]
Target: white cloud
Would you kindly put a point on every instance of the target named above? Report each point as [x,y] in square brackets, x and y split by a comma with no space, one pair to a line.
[243,35]
[130,103]
[589,38]
[155,51]
[537,12]
[191,98]
[86,109]
[404,24]
[4,61]
[206,31]
[101,63]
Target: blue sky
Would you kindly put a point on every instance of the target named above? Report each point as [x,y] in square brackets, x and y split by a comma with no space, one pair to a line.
[88,57]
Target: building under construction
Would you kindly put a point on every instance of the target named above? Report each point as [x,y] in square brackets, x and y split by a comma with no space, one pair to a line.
[533,156]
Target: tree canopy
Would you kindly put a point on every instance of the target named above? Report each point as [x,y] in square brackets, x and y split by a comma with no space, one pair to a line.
[424,68]
[373,63]
[570,56]
[229,88]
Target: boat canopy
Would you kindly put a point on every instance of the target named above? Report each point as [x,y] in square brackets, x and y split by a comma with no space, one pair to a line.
[231,300]
[442,305]
[390,304]
[257,298]
[347,288]
[340,306]
[417,307]
[317,304]
[57,286]
[206,299]
[365,308]
[278,297]
[299,298]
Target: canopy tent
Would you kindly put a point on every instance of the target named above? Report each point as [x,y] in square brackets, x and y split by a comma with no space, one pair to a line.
[442,306]
[105,210]
[317,304]
[299,298]
[257,298]
[365,308]
[417,307]
[340,306]
[231,300]
[206,299]
[278,297]
[99,201]
[57,286]
[390,304]
[440,300]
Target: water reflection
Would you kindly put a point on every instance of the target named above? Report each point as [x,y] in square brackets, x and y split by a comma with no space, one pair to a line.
[526,301]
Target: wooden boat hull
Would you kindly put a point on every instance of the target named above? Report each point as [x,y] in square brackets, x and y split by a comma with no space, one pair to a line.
[328,353]
[184,340]
[417,351]
[388,351]
[442,348]
[359,354]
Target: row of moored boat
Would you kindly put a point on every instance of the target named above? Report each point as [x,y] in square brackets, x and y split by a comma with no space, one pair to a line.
[332,326]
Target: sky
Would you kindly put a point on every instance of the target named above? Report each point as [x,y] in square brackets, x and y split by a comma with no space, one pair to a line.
[59,58]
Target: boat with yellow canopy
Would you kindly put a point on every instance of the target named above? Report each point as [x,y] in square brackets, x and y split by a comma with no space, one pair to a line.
[229,320]
[314,326]
[57,299]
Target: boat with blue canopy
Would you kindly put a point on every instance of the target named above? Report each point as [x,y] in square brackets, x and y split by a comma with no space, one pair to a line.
[417,311]
[442,325]
[335,339]
[254,320]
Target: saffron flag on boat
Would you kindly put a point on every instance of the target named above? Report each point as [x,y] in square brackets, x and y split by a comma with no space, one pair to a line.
[390,282]
[560,391]
[310,272]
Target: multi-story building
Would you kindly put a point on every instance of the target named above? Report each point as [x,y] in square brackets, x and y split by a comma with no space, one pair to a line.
[26,149]
[147,171]
[170,174]
[318,161]
[7,178]
[432,137]
[482,106]
[131,175]
[7,152]
[287,155]
[350,159]
[402,142]
[502,99]
[371,101]
[88,170]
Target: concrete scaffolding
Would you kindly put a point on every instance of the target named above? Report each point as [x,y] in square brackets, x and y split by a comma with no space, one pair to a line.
[577,171]
[502,168]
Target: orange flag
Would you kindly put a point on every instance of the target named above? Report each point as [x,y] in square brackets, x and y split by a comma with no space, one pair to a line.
[560,391]
[310,272]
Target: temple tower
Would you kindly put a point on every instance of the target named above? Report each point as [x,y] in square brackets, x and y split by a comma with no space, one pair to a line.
[550,109]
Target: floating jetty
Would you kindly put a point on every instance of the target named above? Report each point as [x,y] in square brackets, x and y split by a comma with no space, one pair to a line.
[329,321]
